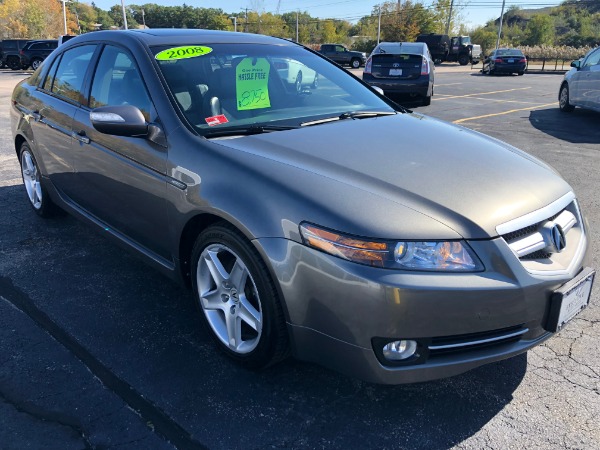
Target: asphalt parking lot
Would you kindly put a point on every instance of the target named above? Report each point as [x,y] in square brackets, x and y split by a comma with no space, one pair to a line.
[99,351]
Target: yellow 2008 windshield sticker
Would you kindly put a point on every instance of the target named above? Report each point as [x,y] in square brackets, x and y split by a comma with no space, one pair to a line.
[252,84]
[188,51]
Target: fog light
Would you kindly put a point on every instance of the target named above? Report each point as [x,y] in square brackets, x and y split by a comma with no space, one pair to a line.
[399,350]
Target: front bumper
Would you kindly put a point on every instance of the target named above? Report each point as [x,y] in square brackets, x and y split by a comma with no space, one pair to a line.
[337,310]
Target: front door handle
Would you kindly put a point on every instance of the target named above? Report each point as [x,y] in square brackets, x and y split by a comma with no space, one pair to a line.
[81,137]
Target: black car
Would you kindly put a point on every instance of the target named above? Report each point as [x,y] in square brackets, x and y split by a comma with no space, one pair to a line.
[402,68]
[505,60]
[9,53]
[35,52]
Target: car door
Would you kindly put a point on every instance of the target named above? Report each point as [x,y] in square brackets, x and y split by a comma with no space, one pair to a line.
[121,180]
[580,81]
[57,98]
[589,82]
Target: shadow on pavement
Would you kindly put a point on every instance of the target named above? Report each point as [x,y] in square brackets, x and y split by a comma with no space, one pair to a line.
[577,127]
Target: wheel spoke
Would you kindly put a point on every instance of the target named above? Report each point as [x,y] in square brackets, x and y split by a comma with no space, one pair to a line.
[249,314]
[215,267]
[234,330]
[238,275]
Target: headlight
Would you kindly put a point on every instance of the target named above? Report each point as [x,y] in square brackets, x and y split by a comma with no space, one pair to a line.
[452,256]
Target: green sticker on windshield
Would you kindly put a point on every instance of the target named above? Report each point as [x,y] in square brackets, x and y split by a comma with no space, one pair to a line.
[188,51]
[252,84]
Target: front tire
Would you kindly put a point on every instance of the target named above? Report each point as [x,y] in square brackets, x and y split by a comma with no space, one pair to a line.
[463,59]
[37,195]
[563,99]
[237,298]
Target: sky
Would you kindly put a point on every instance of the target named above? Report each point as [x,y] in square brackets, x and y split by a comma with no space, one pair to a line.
[474,12]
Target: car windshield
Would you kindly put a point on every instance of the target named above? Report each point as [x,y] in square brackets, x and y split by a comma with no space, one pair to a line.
[233,85]
[509,52]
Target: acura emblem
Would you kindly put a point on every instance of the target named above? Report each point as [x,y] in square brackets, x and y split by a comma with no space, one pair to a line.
[558,238]
[554,236]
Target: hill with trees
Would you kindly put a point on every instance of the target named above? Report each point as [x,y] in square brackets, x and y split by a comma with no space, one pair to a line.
[575,23]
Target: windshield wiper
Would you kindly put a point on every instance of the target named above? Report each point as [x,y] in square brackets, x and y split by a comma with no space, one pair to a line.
[245,130]
[349,115]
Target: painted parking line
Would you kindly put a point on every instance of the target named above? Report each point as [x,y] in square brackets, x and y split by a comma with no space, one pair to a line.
[483,93]
[448,84]
[466,119]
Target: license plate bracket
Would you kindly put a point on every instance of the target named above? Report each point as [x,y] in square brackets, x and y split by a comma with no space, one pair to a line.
[568,300]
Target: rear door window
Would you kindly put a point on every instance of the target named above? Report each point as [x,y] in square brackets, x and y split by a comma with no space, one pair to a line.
[70,75]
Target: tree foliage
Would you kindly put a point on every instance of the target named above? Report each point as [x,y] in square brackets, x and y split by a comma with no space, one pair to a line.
[33,19]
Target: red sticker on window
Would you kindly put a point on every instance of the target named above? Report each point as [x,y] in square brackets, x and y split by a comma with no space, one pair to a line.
[216,120]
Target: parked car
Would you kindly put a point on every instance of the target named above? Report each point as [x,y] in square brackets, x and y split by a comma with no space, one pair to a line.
[458,48]
[402,68]
[341,55]
[9,55]
[295,74]
[35,52]
[505,60]
[335,225]
[581,84]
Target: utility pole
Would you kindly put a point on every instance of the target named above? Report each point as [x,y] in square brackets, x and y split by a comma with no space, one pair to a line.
[246,23]
[234,23]
[64,2]
[144,18]
[500,26]
[379,25]
[124,15]
[297,26]
[449,17]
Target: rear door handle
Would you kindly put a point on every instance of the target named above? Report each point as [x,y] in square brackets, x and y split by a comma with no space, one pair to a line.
[36,116]
[81,137]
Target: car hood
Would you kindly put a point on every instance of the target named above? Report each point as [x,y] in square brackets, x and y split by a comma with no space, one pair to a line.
[462,179]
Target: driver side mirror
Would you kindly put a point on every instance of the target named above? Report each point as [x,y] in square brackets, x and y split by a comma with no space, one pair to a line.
[123,120]
[576,64]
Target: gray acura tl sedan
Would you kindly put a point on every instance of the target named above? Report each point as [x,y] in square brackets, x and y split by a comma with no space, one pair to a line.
[322,221]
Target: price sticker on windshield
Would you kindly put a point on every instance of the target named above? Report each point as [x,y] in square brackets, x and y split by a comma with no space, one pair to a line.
[188,51]
[252,84]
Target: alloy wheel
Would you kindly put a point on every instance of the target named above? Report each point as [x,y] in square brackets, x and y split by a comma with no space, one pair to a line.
[31,179]
[229,298]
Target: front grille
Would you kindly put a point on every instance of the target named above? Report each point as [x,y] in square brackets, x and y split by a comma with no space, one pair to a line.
[536,241]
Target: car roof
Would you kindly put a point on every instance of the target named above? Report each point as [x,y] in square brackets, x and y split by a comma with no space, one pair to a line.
[405,47]
[178,36]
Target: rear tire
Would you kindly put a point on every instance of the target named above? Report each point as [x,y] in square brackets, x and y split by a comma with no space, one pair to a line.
[14,63]
[35,63]
[355,63]
[237,299]
[298,83]
[37,195]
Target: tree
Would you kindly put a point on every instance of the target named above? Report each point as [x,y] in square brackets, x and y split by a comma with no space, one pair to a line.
[116,14]
[540,30]
[33,19]
[404,22]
